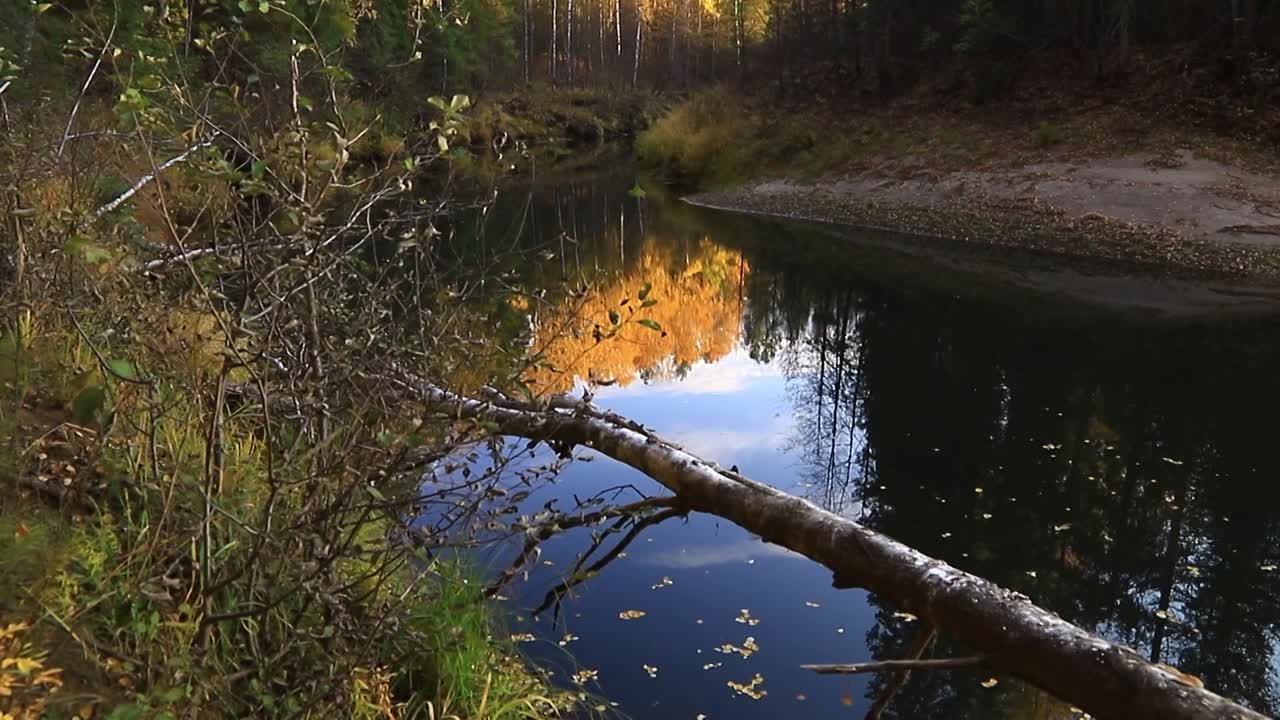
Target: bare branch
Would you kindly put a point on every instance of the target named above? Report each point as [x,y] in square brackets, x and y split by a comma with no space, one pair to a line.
[876,666]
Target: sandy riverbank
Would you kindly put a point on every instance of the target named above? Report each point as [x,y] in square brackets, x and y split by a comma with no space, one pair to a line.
[1181,215]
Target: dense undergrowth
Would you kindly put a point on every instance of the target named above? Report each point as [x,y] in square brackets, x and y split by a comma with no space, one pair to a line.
[211,496]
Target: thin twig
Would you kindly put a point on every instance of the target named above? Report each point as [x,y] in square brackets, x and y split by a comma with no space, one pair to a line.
[917,649]
[896,665]
[71,119]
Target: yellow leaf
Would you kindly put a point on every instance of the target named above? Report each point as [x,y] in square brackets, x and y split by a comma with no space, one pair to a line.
[631,614]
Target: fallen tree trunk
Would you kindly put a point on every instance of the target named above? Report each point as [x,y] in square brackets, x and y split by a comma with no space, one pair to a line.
[1011,633]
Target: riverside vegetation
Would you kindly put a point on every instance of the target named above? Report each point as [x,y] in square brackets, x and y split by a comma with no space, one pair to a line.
[226,222]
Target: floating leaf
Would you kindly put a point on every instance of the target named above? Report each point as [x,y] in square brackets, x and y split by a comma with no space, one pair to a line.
[908,617]
[653,671]
[664,582]
[1171,461]
[744,617]
[811,604]
[989,683]
[584,675]
[751,689]
[523,637]
[631,614]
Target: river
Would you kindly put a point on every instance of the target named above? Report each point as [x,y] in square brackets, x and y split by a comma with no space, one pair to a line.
[1115,466]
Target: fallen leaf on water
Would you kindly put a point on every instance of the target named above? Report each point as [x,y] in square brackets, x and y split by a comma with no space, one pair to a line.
[664,582]
[568,638]
[978,490]
[750,689]
[582,676]
[523,637]
[1171,461]
[811,604]
[801,697]
[846,699]
[989,683]
[709,666]
[631,614]
[1268,568]
[986,516]
[1031,573]
[1063,526]
[744,617]
[906,616]
[653,671]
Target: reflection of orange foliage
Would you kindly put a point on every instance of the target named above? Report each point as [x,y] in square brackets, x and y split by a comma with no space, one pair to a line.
[697,307]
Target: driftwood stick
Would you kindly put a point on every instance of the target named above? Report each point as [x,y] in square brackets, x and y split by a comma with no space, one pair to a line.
[923,639]
[1013,634]
[897,666]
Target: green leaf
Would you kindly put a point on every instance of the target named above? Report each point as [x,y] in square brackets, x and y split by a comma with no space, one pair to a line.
[648,303]
[304,102]
[437,102]
[444,144]
[258,169]
[42,8]
[636,191]
[644,291]
[376,493]
[614,317]
[651,324]
[88,403]
[264,7]
[459,103]
[123,368]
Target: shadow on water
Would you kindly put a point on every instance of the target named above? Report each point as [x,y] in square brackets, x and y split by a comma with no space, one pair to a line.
[1114,466]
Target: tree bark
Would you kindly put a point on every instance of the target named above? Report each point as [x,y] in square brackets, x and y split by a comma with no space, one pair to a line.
[1006,628]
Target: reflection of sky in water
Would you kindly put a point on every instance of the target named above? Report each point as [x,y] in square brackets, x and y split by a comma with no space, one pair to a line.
[735,411]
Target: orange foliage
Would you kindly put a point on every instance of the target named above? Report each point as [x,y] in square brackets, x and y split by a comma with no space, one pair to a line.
[697,306]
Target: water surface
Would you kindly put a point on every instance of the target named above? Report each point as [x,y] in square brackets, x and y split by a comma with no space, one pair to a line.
[1117,468]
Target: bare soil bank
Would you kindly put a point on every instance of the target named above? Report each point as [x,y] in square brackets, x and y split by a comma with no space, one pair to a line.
[1173,233]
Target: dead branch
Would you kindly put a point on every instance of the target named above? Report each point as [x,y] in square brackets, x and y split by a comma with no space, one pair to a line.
[1012,633]
[145,180]
[923,639]
[897,666]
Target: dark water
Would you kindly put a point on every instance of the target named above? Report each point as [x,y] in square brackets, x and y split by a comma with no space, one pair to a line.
[1120,470]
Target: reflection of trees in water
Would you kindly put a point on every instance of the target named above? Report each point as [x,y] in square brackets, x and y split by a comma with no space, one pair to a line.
[1119,476]
[824,365]
[694,283]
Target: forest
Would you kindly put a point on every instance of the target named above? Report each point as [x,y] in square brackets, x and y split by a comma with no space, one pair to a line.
[313,314]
